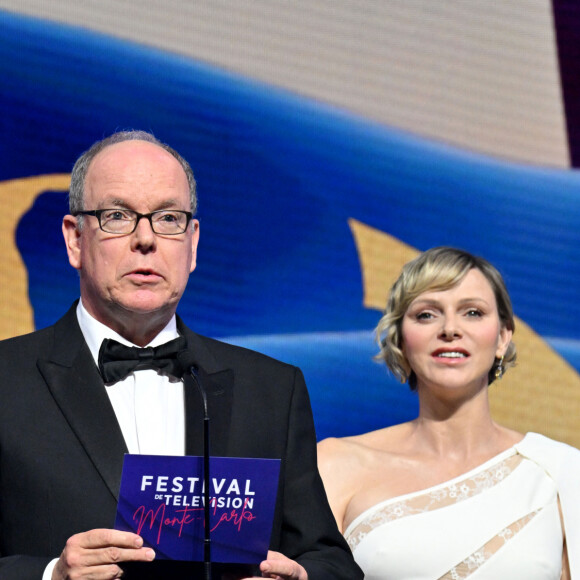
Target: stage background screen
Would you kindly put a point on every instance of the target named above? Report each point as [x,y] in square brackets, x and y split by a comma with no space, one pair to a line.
[331,142]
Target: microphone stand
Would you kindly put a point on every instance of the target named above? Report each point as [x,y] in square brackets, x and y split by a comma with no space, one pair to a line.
[206,478]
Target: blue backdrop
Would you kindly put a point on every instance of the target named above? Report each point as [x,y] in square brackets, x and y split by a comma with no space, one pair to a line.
[278,178]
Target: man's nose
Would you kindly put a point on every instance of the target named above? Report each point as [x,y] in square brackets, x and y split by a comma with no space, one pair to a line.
[143,236]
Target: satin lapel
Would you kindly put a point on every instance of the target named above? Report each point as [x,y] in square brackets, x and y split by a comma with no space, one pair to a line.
[218,382]
[77,387]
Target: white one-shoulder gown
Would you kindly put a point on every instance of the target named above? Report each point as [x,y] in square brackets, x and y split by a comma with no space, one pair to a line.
[499,521]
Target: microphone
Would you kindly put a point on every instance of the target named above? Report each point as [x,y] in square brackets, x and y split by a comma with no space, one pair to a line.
[190,369]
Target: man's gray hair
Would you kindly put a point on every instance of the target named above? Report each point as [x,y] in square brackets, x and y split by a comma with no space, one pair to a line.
[81,167]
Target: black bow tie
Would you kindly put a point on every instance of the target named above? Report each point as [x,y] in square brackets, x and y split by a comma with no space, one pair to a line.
[117,361]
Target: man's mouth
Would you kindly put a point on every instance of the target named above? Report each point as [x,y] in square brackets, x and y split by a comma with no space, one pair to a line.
[145,274]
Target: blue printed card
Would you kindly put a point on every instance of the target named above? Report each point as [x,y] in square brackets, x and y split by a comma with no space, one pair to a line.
[161,499]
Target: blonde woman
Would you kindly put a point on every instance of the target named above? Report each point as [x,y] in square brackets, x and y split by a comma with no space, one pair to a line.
[452,494]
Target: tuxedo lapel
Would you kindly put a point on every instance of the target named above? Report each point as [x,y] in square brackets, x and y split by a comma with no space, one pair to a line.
[76,385]
[74,381]
[218,382]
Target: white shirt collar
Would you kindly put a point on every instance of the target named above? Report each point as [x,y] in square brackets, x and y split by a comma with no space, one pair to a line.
[95,332]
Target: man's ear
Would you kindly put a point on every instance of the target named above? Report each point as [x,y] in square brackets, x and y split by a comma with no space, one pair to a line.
[194,243]
[72,240]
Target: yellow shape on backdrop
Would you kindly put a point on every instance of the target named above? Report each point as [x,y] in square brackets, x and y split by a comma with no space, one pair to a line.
[542,393]
[18,195]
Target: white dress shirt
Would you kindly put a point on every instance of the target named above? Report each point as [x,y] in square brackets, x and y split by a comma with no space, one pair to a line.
[148,406]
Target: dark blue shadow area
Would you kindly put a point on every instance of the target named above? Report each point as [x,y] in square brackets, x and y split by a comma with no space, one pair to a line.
[52,283]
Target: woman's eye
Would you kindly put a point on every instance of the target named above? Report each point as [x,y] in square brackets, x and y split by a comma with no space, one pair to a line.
[423,316]
[474,312]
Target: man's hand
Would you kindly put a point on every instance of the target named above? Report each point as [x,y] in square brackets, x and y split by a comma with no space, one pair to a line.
[280,567]
[95,555]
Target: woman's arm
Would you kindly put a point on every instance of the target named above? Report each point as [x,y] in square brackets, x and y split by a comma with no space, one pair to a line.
[335,463]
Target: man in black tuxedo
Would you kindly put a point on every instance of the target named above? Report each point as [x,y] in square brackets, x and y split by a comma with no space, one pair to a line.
[65,423]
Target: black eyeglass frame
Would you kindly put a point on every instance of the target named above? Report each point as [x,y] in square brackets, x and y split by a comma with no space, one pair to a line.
[99,212]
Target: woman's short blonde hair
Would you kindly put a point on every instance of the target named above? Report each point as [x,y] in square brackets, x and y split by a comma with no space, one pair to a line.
[436,269]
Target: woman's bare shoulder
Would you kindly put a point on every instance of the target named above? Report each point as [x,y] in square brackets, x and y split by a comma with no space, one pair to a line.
[334,453]
[356,448]
[351,467]
[383,439]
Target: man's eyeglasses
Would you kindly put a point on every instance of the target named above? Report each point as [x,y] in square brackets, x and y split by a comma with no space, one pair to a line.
[167,222]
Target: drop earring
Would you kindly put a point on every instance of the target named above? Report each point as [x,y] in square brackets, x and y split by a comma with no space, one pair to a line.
[499,369]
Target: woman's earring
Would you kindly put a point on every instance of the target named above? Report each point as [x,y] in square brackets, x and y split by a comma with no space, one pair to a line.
[499,369]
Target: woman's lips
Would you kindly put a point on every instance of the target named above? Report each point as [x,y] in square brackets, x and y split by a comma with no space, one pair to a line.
[450,353]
